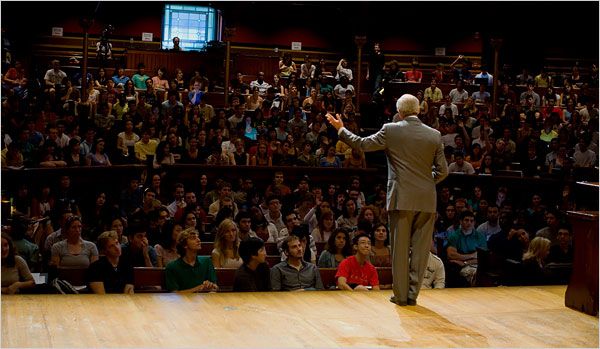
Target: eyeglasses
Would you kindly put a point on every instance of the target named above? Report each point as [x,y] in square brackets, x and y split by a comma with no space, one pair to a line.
[71,219]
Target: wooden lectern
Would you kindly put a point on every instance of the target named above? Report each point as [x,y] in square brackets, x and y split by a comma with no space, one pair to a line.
[582,292]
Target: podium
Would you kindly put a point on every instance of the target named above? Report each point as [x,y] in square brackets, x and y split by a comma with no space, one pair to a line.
[582,291]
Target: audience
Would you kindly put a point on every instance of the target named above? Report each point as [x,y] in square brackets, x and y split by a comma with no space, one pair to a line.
[284,126]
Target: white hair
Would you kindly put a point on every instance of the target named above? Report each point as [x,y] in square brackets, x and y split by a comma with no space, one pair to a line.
[408,105]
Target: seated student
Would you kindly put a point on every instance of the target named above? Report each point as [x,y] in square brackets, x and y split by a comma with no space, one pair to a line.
[225,253]
[337,249]
[534,262]
[356,273]
[460,165]
[463,244]
[295,274]
[562,252]
[243,221]
[435,274]
[511,242]
[166,249]
[190,272]
[254,274]
[29,251]
[137,252]
[15,273]
[110,274]
[381,253]
[73,251]
[308,243]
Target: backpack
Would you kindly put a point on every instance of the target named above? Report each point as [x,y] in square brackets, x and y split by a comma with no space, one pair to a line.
[63,287]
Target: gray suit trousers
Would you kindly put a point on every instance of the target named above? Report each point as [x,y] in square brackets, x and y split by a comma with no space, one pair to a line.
[409,231]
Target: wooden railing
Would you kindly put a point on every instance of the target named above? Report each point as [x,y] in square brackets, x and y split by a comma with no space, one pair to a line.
[153,279]
[115,178]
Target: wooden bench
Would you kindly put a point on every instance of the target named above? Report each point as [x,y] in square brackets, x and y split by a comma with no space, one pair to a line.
[149,279]
[273,259]
[328,278]
[206,248]
[75,276]
[385,275]
[271,248]
[153,279]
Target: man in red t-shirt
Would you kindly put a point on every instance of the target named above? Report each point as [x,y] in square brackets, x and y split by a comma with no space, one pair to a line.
[355,273]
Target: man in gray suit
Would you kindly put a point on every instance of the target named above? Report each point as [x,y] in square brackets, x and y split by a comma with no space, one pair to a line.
[416,163]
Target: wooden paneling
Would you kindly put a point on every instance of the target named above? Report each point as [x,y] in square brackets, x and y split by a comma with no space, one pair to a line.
[186,61]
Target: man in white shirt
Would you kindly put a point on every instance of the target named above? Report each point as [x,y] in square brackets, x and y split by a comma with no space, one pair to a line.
[273,213]
[459,94]
[176,207]
[54,76]
[449,105]
[435,274]
[261,84]
[583,156]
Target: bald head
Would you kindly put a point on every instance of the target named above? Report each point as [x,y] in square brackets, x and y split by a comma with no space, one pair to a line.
[407,105]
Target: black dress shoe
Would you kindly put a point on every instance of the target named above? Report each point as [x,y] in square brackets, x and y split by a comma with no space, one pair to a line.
[393,300]
[411,301]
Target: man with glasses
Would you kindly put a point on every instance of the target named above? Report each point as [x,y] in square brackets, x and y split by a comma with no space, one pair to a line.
[356,273]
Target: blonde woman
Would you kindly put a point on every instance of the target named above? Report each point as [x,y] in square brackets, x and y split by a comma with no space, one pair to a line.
[534,262]
[227,243]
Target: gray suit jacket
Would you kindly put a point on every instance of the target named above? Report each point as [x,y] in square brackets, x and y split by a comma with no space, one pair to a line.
[416,162]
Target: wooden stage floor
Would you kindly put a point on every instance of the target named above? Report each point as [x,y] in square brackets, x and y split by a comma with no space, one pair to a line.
[475,317]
